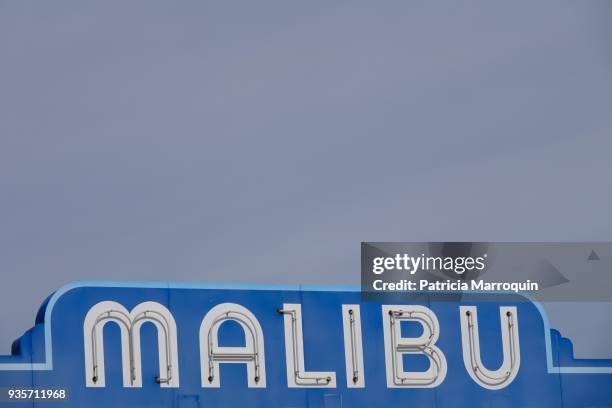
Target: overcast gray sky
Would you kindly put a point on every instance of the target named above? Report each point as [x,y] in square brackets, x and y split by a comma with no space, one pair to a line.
[262,141]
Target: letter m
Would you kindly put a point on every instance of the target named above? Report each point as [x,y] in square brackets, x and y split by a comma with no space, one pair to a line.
[130,324]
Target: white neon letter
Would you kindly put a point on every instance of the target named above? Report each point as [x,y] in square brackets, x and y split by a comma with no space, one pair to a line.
[353,346]
[130,323]
[297,376]
[252,354]
[396,346]
[505,374]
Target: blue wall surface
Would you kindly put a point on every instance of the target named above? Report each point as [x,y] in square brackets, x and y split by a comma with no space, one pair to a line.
[51,354]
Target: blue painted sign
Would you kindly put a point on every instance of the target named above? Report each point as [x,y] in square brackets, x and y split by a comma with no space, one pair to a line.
[172,345]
